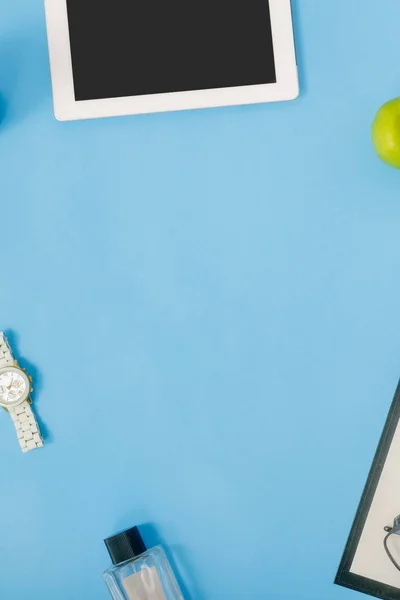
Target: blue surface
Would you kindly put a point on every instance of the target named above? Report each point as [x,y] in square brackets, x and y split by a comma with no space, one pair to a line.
[209,303]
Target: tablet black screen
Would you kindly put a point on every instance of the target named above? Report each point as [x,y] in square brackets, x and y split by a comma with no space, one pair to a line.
[136,47]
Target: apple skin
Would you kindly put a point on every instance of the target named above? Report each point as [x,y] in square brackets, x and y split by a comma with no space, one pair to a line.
[386,133]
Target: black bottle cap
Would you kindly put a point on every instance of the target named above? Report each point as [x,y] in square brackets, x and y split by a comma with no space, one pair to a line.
[125,545]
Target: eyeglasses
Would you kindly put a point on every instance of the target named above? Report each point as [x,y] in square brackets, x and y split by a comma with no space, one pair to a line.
[395,530]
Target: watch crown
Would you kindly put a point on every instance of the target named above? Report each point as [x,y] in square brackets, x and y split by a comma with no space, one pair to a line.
[30,377]
[31,389]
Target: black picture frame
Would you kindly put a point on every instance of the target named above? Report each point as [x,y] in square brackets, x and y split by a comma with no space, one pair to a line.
[344,576]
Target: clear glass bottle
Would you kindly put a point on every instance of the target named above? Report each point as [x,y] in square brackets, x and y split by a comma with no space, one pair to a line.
[138,573]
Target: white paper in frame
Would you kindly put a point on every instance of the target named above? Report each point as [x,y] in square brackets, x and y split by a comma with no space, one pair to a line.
[365,565]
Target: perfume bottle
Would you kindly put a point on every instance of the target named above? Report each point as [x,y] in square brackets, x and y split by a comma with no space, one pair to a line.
[138,573]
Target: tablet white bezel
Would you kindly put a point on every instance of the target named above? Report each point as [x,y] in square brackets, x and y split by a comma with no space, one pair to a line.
[66,108]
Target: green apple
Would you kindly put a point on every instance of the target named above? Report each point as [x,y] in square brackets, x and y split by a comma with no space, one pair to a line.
[386,133]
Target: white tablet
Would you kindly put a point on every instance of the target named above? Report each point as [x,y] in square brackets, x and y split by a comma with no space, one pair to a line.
[119,57]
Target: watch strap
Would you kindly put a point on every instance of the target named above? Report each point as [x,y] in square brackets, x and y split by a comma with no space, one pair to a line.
[6,356]
[26,425]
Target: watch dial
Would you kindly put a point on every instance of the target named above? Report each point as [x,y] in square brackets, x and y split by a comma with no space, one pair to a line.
[12,387]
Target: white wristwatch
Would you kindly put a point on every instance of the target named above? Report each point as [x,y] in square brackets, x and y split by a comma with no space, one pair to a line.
[15,387]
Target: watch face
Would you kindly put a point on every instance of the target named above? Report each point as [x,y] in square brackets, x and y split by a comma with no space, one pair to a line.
[14,386]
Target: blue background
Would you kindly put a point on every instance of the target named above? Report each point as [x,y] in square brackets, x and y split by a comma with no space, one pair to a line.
[209,303]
